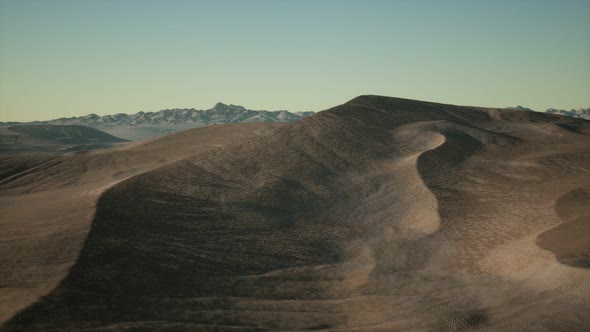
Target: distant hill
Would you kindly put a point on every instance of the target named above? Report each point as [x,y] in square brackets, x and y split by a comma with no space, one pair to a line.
[144,125]
[581,113]
[53,138]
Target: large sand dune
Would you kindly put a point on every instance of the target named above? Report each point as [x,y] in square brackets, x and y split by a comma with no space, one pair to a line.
[379,214]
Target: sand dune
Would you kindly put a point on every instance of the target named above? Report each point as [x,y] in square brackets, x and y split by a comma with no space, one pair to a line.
[47,203]
[379,214]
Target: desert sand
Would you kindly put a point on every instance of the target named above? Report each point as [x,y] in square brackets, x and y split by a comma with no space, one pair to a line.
[379,214]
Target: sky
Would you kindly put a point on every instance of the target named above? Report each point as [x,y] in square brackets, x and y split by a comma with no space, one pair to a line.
[71,58]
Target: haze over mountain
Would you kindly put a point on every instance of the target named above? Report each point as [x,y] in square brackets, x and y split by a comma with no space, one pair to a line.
[378,214]
[144,125]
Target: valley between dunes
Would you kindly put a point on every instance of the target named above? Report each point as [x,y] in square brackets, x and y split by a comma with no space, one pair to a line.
[379,214]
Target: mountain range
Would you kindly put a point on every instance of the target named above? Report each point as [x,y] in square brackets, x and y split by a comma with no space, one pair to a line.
[144,125]
[580,113]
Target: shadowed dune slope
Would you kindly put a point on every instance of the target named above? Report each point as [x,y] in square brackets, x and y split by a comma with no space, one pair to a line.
[571,240]
[53,139]
[70,133]
[379,214]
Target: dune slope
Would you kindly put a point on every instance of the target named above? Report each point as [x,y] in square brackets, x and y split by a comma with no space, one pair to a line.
[47,203]
[378,214]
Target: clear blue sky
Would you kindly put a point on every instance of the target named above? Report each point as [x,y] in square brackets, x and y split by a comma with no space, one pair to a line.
[66,58]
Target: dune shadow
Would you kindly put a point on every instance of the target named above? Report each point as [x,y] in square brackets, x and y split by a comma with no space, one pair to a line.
[569,241]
